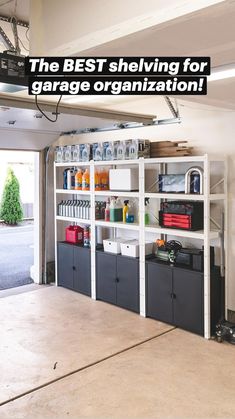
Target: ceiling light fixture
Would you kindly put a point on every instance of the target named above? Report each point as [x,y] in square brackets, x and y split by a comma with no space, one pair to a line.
[222,72]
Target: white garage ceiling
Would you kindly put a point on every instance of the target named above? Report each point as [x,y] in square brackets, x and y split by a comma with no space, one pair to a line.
[209,32]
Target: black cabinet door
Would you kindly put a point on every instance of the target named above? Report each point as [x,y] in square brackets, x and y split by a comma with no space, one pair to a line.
[128,283]
[159,292]
[65,265]
[188,302]
[106,286]
[82,270]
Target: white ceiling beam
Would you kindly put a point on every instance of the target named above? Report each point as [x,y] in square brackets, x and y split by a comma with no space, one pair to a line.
[23,103]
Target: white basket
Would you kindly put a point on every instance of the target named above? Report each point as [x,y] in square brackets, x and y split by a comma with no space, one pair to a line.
[113,245]
[131,248]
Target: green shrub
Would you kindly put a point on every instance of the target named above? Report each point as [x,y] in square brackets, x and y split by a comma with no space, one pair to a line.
[11,210]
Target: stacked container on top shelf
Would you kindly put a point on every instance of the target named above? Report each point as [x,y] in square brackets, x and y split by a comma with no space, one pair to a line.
[107,151]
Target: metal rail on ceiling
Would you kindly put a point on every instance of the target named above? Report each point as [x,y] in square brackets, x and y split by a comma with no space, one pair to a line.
[155,122]
[8,19]
[123,120]
[13,102]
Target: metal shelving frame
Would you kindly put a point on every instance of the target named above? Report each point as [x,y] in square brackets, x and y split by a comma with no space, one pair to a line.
[205,236]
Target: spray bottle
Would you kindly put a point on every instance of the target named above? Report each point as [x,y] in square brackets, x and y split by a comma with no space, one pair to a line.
[130,215]
[107,211]
[125,211]
[146,215]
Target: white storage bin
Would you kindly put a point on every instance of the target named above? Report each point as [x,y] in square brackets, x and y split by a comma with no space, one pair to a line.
[131,248]
[123,180]
[113,245]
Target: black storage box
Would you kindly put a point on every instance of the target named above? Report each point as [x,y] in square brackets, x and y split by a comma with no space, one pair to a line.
[182,215]
[194,258]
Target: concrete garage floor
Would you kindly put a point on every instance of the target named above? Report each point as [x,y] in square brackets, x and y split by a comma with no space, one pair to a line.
[110,363]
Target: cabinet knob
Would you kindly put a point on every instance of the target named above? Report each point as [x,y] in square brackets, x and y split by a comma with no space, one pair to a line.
[74,268]
[117,279]
[173,296]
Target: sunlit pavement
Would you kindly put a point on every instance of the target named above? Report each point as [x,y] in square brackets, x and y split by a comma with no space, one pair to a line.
[16,256]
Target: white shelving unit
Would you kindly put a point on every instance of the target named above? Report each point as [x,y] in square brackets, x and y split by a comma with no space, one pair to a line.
[124,194]
[126,226]
[72,192]
[206,236]
[73,220]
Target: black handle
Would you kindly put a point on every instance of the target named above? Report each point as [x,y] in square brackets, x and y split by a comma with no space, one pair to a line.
[117,279]
[173,296]
[74,268]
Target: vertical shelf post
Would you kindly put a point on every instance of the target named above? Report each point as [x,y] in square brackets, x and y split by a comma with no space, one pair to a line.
[142,236]
[226,244]
[207,247]
[93,231]
[55,225]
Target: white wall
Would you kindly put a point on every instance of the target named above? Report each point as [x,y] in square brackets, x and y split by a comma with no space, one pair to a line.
[207,129]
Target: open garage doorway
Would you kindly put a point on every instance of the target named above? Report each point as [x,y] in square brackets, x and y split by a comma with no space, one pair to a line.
[17,218]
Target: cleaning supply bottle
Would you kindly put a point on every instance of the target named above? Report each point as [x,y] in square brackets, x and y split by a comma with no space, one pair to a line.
[65,178]
[71,178]
[133,150]
[121,151]
[107,211]
[86,180]
[97,180]
[130,215]
[78,180]
[98,153]
[104,180]
[109,152]
[125,211]
[118,210]
[146,215]
[85,152]
[86,236]
[112,209]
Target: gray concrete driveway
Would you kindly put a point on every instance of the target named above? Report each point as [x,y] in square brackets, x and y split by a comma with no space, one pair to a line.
[16,256]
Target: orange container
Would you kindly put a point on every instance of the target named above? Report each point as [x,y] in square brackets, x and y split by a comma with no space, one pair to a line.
[86,181]
[78,180]
[104,175]
[97,181]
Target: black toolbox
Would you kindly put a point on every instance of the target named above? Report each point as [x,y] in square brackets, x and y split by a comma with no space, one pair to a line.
[182,215]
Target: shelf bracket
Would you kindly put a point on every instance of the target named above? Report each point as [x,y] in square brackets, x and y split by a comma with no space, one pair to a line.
[5,40]
[173,107]
[215,223]
[15,33]
[217,184]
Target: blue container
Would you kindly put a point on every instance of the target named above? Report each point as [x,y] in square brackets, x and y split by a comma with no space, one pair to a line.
[195,183]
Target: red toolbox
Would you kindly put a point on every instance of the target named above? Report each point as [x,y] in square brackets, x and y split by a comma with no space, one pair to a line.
[177,221]
[74,234]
